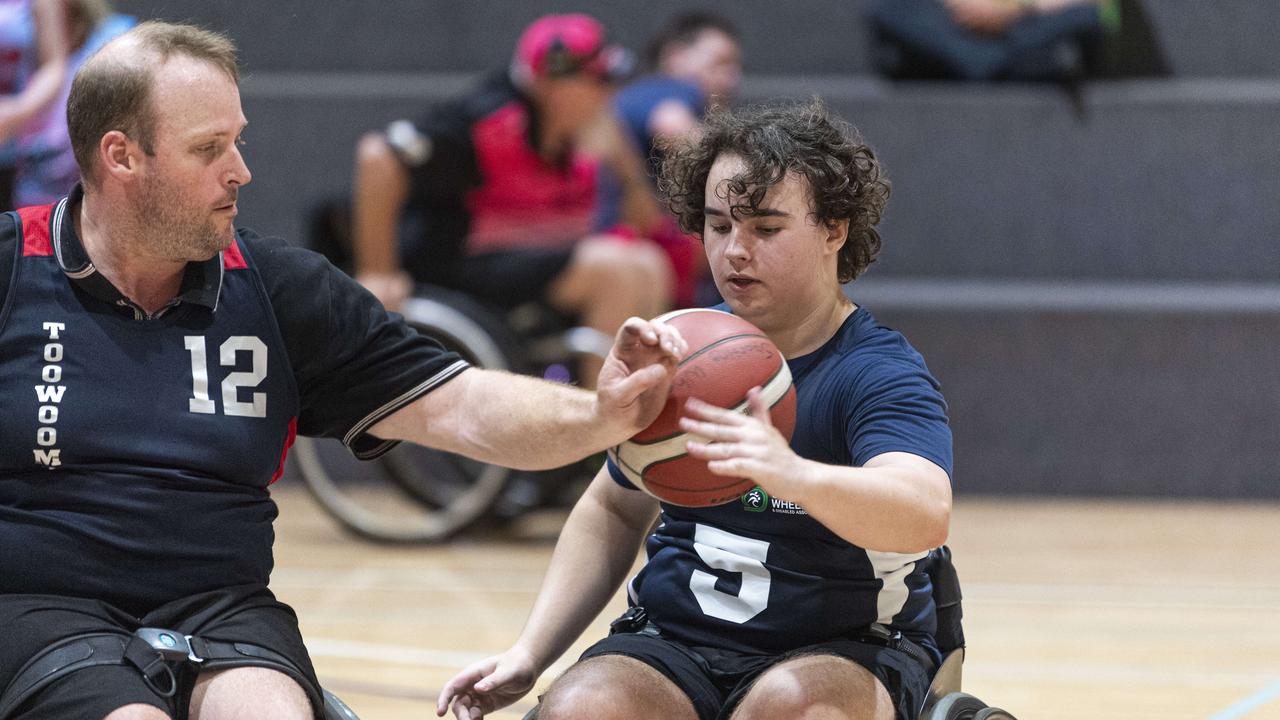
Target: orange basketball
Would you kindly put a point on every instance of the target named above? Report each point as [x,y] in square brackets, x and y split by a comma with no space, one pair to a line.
[727,357]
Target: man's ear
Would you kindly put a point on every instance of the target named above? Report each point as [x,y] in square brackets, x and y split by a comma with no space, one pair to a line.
[118,156]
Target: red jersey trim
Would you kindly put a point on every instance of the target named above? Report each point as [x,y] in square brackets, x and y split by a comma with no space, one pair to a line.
[35,231]
[288,443]
[232,259]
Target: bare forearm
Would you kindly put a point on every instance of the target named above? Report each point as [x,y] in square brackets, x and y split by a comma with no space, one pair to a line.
[509,419]
[890,508]
[596,550]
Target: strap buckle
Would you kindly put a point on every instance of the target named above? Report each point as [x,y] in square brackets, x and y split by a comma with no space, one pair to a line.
[172,646]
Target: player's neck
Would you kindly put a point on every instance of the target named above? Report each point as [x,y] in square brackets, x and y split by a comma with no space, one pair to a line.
[119,249]
[814,329]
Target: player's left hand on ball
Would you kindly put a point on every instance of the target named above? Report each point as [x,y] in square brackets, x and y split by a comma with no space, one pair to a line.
[739,445]
[636,376]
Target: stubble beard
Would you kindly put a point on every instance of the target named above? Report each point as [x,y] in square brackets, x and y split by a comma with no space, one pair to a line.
[175,230]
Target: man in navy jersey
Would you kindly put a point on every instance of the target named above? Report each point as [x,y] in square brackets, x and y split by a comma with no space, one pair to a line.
[155,365]
[807,595]
[494,192]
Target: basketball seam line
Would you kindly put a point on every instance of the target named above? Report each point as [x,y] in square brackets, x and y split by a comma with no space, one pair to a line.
[664,438]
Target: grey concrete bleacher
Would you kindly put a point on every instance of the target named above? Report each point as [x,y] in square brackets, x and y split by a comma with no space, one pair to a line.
[1097,291]
[1233,38]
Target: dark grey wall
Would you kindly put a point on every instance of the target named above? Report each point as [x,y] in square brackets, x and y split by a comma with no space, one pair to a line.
[1226,38]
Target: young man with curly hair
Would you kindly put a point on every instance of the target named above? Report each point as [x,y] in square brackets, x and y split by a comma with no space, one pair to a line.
[810,598]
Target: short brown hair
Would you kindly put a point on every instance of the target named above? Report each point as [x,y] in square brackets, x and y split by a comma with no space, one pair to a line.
[844,177]
[112,91]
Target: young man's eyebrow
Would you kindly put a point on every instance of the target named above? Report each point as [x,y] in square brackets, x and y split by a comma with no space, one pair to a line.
[762,212]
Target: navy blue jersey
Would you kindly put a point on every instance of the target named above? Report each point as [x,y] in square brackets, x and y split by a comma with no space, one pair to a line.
[761,575]
[136,452]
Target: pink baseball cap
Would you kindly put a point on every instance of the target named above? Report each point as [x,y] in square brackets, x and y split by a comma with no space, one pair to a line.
[565,45]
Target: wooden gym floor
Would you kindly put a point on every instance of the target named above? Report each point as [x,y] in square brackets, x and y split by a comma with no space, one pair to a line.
[1129,609]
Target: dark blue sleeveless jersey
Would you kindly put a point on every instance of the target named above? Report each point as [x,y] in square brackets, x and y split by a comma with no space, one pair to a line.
[136,454]
[761,575]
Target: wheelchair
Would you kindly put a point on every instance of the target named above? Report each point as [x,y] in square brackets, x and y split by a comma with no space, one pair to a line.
[944,700]
[415,494]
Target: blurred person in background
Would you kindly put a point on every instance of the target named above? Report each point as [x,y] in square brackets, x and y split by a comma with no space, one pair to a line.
[494,193]
[1053,40]
[695,63]
[42,44]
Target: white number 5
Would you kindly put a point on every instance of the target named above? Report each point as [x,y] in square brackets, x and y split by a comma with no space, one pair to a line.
[725,551]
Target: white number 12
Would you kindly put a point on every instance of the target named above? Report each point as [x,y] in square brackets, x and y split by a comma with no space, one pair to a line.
[231,404]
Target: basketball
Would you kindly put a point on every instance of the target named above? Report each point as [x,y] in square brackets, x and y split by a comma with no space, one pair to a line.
[727,357]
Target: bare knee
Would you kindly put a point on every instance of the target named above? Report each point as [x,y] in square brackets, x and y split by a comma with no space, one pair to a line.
[638,271]
[817,687]
[138,711]
[249,692]
[614,686]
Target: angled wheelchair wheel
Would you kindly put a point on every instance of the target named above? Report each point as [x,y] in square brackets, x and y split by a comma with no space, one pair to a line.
[335,709]
[415,494]
[955,706]
[993,713]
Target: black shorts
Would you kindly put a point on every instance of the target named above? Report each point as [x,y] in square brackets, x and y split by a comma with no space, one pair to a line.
[716,680]
[31,623]
[506,278]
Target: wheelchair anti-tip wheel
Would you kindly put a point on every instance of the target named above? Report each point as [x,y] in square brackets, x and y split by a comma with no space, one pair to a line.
[415,494]
[957,706]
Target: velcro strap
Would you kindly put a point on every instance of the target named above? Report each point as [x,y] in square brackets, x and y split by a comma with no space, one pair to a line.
[58,660]
[218,654]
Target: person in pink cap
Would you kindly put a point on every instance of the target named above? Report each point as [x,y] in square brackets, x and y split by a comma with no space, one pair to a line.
[494,193]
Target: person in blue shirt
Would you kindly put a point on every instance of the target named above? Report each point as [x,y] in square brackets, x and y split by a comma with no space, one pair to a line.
[808,593]
[695,63]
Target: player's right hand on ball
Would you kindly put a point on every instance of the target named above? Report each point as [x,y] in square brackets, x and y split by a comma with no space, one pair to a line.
[488,685]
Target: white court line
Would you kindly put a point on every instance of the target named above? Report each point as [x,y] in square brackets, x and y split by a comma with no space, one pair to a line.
[426,657]
[380,652]
[1251,703]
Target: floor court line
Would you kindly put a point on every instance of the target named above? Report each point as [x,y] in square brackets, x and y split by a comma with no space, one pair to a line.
[1250,703]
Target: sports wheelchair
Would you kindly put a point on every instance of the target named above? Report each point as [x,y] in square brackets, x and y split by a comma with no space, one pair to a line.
[415,494]
[944,700]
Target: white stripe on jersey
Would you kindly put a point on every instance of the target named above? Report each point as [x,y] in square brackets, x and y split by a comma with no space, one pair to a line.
[892,569]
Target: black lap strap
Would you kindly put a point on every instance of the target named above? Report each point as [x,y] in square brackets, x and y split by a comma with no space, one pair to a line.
[218,655]
[153,652]
[84,651]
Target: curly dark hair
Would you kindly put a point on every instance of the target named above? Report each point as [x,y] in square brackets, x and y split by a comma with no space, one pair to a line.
[844,178]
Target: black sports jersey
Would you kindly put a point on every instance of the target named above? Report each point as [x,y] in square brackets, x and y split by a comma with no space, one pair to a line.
[135,454]
[478,183]
[761,575]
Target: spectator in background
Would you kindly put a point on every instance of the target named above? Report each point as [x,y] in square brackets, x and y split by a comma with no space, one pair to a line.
[494,193]
[1057,40]
[42,44]
[695,62]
